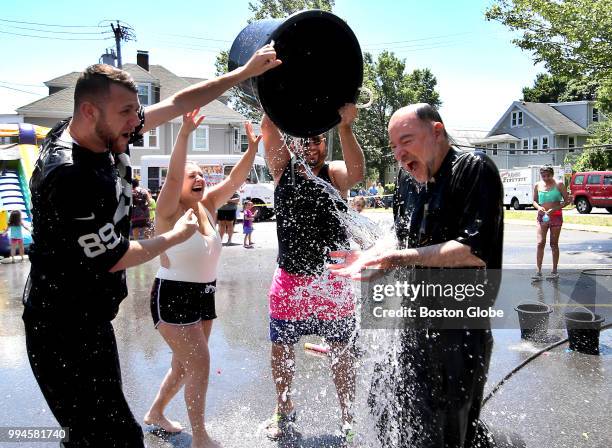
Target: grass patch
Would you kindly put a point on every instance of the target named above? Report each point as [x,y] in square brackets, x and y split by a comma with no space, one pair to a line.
[590,220]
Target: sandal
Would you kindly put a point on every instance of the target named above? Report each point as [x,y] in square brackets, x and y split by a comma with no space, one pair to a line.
[281,426]
[537,277]
[348,434]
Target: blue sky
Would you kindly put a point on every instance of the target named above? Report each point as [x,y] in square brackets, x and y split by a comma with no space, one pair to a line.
[479,71]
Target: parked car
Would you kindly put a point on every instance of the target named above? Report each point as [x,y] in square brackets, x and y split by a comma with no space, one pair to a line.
[592,189]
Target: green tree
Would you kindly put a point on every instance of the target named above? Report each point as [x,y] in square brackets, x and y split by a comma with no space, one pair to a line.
[571,37]
[546,89]
[265,9]
[392,89]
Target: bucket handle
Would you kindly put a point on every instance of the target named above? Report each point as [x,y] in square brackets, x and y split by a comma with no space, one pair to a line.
[588,311]
[370,101]
[534,302]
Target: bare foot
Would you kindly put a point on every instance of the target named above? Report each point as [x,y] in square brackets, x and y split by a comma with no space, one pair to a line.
[162,422]
[205,442]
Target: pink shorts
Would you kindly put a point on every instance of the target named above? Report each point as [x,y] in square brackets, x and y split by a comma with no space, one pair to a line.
[300,297]
[556,219]
[16,240]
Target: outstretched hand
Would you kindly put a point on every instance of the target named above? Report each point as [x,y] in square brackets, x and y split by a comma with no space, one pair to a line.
[262,60]
[356,261]
[191,121]
[253,139]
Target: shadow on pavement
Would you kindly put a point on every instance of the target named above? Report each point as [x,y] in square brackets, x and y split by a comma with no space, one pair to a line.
[322,441]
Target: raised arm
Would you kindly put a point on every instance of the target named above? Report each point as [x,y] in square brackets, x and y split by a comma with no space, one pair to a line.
[276,152]
[168,200]
[219,194]
[204,92]
[345,174]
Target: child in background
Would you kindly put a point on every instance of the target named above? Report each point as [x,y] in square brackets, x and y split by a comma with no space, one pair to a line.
[15,234]
[359,203]
[247,224]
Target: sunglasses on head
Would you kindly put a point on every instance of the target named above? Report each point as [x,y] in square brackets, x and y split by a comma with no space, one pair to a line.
[313,140]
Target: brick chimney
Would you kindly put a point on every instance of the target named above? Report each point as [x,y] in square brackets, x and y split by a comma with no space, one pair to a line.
[142,59]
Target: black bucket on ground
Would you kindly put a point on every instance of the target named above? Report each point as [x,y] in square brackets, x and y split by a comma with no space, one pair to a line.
[583,328]
[533,320]
[322,70]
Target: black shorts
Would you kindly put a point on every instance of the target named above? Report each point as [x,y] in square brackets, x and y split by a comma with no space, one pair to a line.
[290,331]
[226,215]
[182,303]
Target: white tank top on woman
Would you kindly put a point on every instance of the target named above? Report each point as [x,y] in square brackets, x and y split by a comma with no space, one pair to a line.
[194,260]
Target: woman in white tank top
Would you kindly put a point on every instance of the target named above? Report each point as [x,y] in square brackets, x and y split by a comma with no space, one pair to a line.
[183,294]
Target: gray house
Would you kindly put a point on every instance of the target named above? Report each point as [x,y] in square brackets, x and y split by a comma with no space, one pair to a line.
[221,132]
[527,133]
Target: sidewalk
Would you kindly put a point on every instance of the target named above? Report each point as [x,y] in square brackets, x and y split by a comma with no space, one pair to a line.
[583,227]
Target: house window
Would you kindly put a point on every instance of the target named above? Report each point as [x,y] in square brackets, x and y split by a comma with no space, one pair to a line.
[544,142]
[494,146]
[534,145]
[571,143]
[152,137]
[244,143]
[512,146]
[595,114]
[149,139]
[517,119]
[144,94]
[200,138]
[525,146]
[236,140]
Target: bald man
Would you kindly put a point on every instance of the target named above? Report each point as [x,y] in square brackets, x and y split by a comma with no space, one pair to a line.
[455,222]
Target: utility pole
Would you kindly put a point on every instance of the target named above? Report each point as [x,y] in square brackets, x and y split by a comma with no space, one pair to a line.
[121,32]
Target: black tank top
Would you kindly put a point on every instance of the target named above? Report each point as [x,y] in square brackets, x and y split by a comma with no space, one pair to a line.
[307,225]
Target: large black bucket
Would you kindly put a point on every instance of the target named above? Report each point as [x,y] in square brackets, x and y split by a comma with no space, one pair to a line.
[322,70]
[583,328]
[533,320]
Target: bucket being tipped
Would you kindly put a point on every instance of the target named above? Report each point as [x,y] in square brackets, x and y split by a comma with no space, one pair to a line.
[533,320]
[322,70]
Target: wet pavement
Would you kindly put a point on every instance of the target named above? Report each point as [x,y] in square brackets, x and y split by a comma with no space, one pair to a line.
[561,399]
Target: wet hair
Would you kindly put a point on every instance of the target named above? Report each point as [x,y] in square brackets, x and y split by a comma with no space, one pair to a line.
[426,112]
[547,169]
[15,218]
[94,83]
[135,183]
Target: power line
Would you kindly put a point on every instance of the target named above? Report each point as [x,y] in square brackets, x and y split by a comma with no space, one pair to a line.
[19,84]
[48,24]
[57,32]
[19,90]
[53,38]
[197,37]
[420,39]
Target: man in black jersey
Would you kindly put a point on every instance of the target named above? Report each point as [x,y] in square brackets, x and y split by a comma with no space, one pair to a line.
[303,298]
[81,195]
[456,221]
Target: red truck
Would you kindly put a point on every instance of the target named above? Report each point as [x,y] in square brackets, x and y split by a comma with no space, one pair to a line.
[592,189]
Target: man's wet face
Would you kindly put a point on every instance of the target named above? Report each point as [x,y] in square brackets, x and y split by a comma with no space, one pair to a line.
[117,118]
[413,142]
[315,150]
